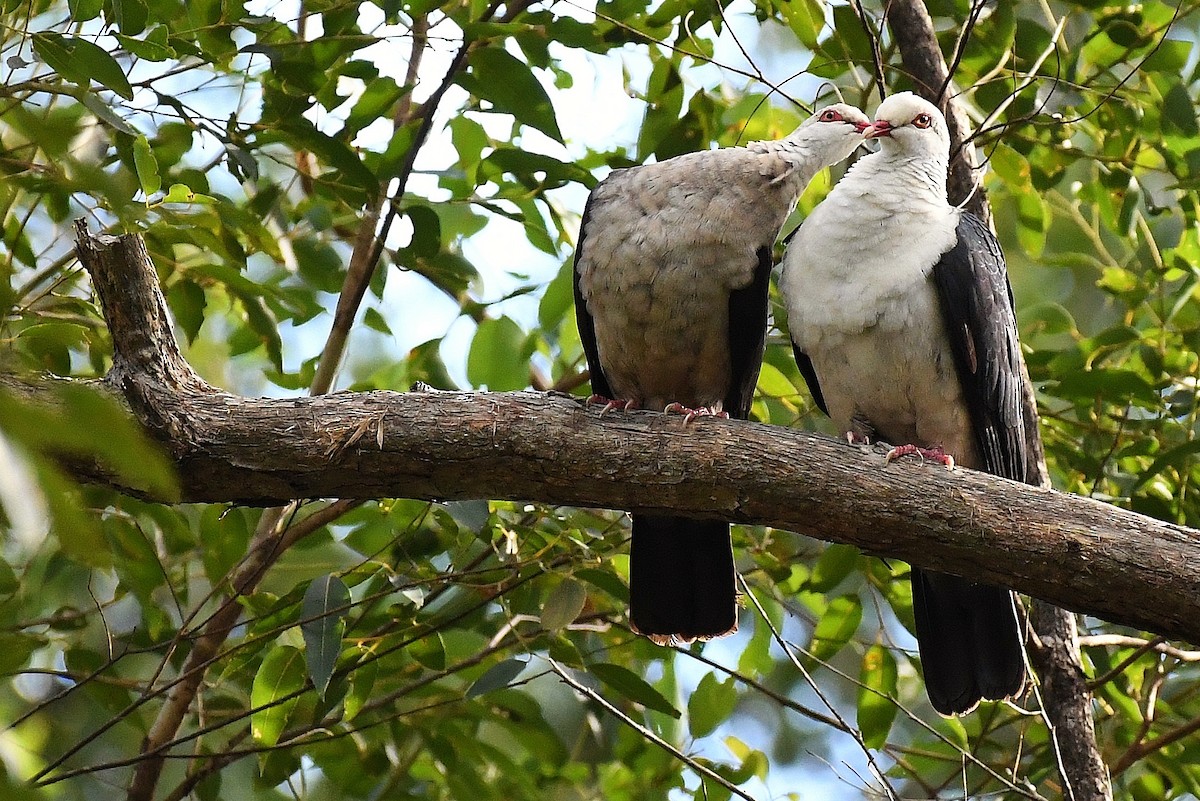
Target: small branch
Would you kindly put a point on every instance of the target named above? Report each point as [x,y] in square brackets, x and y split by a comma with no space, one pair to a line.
[1147,747]
[876,54]
[1123,641]
[808,679]
[1054,652]
[646,733]
[365,257]
[205,647]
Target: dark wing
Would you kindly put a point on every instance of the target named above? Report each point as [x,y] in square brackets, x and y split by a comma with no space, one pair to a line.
[583,318]
[809,373]
[748,337]
[977,307]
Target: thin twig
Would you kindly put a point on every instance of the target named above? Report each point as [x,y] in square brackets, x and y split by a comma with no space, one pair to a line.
[876,53]
[646,733]
[854,733]
[1158,644]
[960,47]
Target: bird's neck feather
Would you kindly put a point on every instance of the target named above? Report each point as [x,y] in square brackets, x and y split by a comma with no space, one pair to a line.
[804,158]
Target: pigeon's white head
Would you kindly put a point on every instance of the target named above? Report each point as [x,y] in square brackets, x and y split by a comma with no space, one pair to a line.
[911,126]
[833,133]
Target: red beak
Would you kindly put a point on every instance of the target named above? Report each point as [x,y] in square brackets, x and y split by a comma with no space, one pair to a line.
[877,129]
[861,126]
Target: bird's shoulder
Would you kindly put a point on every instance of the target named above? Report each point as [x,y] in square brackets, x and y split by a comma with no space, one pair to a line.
[704,173]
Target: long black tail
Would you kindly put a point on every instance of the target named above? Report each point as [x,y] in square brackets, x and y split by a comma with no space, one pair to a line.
[970,641]
[682,584]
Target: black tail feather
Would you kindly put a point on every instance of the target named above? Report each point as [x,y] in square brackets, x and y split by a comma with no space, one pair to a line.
[970,641]
[682,584]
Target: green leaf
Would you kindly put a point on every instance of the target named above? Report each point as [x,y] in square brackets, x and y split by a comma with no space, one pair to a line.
[9,583]
[510,86]
[187,301]
[496,359]
[374,320]
[376,101]
[15,650]
[153,47]
[836,626]
[1179,456]
[81,62]
[1115,385]
[756,659]
[633,687]
[834,564]
[146,166]
[131,16]
[497,677]
[1169,56]
[564,605]
[558,298]
[182,193]
[105,113]
[711,704]
[83,10]
[427,230]
[606,582]
[323,611]
[1032,223]
[429,651]
[133,556]
[1048,318]
[773,383]
[281,674]
[1179,111]
[362,681]
[876,709]
[806,18]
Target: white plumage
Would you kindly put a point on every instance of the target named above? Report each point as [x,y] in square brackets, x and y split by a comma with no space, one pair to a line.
[902,323]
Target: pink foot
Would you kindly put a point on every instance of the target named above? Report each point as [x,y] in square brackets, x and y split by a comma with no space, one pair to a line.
[611,403]
[935,454]
[691,414]
[855,438]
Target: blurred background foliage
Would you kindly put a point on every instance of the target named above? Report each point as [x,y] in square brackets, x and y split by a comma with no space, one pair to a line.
[417,650]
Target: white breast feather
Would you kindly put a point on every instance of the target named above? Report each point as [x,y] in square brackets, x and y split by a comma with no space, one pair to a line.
[861,305]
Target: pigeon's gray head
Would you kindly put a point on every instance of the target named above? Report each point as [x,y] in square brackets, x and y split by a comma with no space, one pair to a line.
[833,132]
[910,126]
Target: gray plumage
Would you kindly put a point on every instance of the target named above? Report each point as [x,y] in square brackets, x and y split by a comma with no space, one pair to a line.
[672,273]
[902,323]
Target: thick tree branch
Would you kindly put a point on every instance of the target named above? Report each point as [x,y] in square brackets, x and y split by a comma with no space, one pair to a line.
[1072,551]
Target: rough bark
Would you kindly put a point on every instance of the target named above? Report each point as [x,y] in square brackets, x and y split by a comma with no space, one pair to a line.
[1054,647]
[1068,550]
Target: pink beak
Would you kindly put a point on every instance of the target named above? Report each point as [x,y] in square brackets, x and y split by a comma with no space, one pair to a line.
[861,126]
[877,129]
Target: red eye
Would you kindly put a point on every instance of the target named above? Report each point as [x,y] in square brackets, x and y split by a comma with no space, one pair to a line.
[829,115]
[922,121]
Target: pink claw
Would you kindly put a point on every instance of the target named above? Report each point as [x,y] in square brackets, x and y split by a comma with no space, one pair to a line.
[691,414]
[935,454]
[611,403]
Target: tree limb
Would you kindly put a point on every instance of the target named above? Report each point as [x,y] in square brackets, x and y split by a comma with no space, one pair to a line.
[1072,551]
